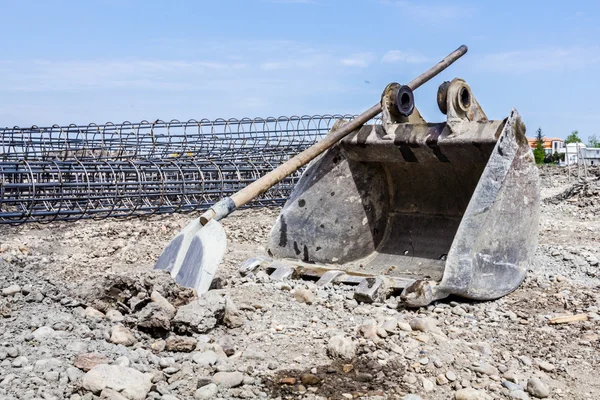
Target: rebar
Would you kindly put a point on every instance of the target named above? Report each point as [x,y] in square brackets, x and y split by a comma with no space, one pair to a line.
[46,191]
[66,173]
[218,139]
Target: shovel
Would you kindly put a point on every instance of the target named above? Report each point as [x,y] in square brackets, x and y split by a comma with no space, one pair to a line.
[194,254]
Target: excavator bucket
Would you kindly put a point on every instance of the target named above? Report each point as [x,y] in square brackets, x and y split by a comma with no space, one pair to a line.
[424,210]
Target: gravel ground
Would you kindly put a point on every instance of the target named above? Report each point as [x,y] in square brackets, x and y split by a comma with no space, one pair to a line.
[82,315]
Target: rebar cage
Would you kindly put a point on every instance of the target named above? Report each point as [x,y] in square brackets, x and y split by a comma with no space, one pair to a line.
[132,169]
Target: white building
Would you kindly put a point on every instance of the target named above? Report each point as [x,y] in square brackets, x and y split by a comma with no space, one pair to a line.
[591,155]
[576,153]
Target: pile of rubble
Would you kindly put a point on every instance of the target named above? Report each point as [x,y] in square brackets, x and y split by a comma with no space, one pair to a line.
[82,316]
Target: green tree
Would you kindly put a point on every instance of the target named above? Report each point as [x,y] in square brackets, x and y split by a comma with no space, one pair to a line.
[593,141]
[573,138]
[539,152]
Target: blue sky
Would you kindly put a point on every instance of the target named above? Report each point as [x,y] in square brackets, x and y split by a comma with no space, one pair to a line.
[114,60]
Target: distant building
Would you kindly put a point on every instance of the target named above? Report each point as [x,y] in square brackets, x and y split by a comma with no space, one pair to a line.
[578,153]
[591,155]
[551,145]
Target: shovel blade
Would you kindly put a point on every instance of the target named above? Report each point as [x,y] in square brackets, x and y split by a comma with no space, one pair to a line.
[194,254]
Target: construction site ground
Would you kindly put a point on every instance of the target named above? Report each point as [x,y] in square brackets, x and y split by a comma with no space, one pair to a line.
[83,316]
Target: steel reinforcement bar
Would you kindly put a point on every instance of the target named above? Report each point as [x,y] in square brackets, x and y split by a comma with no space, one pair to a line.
[46,191]
[219,139]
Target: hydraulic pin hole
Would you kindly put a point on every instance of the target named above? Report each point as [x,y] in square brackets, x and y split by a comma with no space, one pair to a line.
[405,101]
[464,98]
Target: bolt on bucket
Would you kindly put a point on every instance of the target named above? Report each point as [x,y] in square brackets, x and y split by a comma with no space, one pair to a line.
[428,209]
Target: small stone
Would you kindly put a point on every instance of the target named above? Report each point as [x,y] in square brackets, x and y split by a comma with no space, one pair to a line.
[11,290]
[347,396]
[423,324]
[510,376]
[272,365]
[396,348]
[92,313]
[20,361]
[181,343]
[441,380]
[110,394]
[544,365]
[162,302]
[73,374]
[511,386]
[304,296]
[347,368]
[309,379]
[114,316]
[458,310]
[428,386]
[411,396]
[228,379]
[404,326]
[12,352]
[287,381]
[121,335]
[485,369]
[158,346]
[537,388]
[368,330]
[422,338]
[51,376]
[206,392]
[518,395]
[122,361]
[451,376]
[471,394]
[341,347]
[525,360]
[226,343]
[43,332]
[390,325]
[424,361]
[233,317]
[88,361]
[206,358]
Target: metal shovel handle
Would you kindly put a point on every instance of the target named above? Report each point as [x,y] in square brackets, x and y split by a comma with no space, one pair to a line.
[261,185]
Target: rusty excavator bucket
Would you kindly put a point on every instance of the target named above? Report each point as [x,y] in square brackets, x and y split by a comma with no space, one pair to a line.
[422,209]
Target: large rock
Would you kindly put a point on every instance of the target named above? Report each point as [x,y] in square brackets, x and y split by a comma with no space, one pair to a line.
[201,315]
[341,347]
[128,382]
[155,317]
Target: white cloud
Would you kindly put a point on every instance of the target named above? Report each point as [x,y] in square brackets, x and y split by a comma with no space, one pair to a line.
[548,59]
[399,56]
[431,11]
[361,60]
[46,75]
